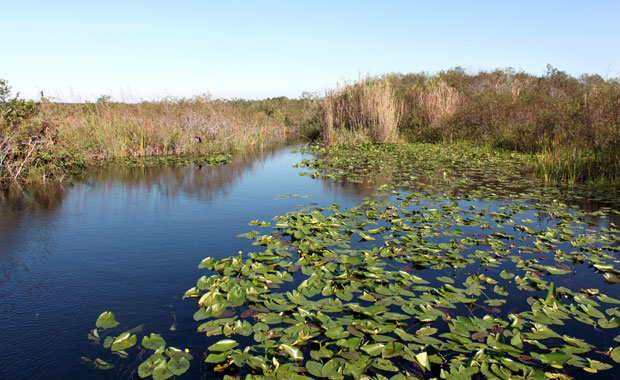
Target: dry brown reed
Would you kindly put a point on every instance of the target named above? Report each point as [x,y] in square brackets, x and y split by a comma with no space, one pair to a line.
[200,125]
[363,111]
[437,102]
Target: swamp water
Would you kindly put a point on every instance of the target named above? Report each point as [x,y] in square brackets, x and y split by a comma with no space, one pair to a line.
[407,284]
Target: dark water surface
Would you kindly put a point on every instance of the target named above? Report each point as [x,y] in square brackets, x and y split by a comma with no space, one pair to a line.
[129,240]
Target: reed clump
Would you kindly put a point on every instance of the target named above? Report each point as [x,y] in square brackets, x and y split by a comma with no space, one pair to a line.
[366,110]
[570,125]
[200,125]
[46,140]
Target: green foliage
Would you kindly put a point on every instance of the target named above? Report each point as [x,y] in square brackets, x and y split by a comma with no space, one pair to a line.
[426,284]
[549,115]
[14,111]
[163,363]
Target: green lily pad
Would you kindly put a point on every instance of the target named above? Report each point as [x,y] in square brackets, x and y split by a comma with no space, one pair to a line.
[106,320]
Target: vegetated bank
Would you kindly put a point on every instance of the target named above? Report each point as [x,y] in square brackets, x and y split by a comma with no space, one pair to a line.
[569,126]
[45,140]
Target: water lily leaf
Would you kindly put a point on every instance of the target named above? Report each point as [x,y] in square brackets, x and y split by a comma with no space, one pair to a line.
[506,275]
[373,349]
[216,357]
[329,369]
[556,358]
[385,365]
[501,290]
[178,367]
[107,342]
[609,324]
[153,342]
[374,309]
[124,341]
[207,263]
[495,302]
[368,297]
[402,334]
[445,279]
[106,320]
[160,370]
[423,361]
[102,364]
[615,354]
[315,368]
[606,299]
[426,331]
[223,345]
[294,352]
[594,366]
[336,333]
[175,353]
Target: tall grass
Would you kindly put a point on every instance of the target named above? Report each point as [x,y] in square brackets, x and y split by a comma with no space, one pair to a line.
[576,165]
[363,111]
[176,127]
[43,140]
[514,110]
[571,125]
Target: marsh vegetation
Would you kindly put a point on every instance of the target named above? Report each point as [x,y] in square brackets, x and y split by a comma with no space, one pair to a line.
[468,259]
[568,127]
[463,273]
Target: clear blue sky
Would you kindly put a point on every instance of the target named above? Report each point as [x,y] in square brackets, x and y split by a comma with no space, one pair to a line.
[77,50]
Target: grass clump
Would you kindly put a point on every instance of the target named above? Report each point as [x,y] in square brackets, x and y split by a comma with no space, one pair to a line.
[28,149]
[45,140]
[195,126]
[571,125]
[361,112]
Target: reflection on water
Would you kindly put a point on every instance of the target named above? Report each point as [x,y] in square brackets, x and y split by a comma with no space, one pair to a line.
[128,240]
[199,181]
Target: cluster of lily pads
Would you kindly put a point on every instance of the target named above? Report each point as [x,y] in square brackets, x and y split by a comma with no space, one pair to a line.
[413,289]
[163,363]
[487,279]
[462,170]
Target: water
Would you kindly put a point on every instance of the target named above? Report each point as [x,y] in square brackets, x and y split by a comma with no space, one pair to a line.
[129,240]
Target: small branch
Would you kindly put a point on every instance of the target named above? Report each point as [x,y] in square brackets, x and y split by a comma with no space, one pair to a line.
[23,162]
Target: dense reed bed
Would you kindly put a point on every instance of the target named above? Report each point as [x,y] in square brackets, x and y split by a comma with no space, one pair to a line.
[571,126]
[176,127]
[46,140]
[364,111]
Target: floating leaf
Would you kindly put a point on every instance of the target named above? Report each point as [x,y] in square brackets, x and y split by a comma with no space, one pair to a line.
[106,320]
[178,367]
[124,341]
[223,345]
[153,342]
[294,352]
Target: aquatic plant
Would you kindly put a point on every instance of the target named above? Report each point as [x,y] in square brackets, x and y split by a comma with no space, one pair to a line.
[552,115]
[450,279]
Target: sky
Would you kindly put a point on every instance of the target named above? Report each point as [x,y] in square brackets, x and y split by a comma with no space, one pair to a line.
[149,50]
